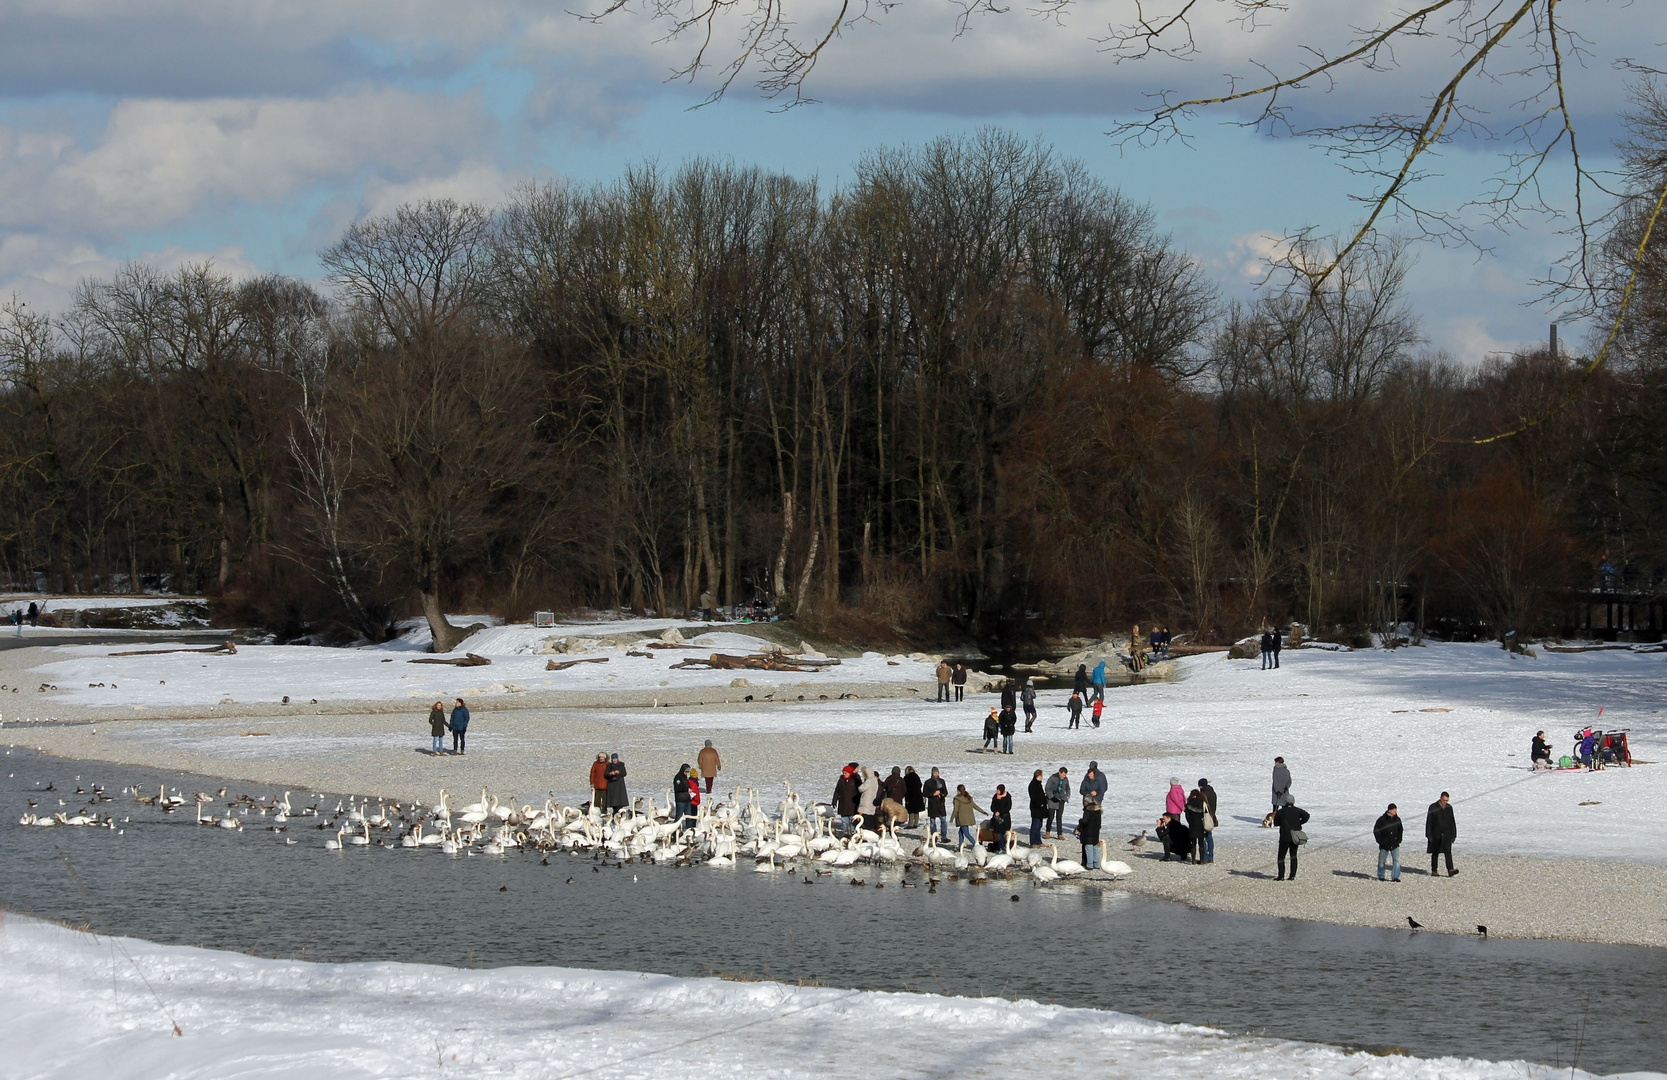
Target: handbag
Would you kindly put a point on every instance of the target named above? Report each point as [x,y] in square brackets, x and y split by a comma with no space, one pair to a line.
[1209,822]
[1298,837]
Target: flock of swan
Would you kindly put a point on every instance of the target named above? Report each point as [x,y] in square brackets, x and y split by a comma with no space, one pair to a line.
[717,835]
[723,836]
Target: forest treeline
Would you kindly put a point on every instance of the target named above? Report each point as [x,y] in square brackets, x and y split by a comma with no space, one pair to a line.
[973,390]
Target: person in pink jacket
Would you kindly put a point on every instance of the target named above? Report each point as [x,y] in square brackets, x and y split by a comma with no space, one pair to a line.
[1176,804]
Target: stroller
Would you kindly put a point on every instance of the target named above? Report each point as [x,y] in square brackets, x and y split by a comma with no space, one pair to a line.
[1608,748]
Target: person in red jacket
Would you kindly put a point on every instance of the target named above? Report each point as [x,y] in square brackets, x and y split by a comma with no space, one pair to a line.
[1099,707]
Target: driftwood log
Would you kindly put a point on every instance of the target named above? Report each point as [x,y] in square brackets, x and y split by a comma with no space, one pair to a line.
[228,649]
[562,665]
[466,660]
[755,662]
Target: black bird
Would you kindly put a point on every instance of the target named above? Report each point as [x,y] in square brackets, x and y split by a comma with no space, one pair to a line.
[1480,929]
[544,861]
[503,888]
[570,881]
[809,882]
[595,870]
[1014,898]
[1414,923]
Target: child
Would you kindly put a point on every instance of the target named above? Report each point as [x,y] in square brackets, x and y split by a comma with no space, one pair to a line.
[1075,707]
[1099,707]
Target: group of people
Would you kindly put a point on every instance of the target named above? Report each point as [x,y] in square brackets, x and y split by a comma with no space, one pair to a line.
[31,615]
[1003,721]
[1186,828]
[439,724]
[951,676]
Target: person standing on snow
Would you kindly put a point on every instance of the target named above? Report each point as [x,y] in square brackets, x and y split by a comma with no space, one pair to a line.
[845,796]
[1278,643]
[1100,681]
[944,672]
[959,678]
[937,817]
[1099,710]
[1074,707]
[966,817]
[437,727]
[914,800]
[1009,723]
[599,782]
[1267,653]
[1440,830]
[1088,831]
[1001,817]
[1027,698]
[1010,695]
[680,795]
[1197,810]
[1209,794]
[1093,787]
[1059,794]
[618,798]
[709,764]
[1175,803]
[1079,684]
[868,799]
[1038,808]
[1290,818]
[992,731]
[459,726]
[1387,831]
[1281,782]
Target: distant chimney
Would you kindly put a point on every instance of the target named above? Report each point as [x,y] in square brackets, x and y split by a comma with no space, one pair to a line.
[1554,341]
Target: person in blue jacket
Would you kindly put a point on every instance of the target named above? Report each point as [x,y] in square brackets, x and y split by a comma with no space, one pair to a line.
[459,725]
[1100,680]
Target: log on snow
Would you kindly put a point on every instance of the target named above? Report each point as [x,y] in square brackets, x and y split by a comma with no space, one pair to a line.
[466,660]
[228,649]
[562,665]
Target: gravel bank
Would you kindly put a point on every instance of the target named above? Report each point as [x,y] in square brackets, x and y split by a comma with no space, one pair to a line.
[530,754]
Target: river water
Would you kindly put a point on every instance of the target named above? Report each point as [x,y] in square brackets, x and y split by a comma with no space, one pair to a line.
[165,879]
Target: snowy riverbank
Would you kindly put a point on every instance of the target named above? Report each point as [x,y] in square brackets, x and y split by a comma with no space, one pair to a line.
[80,1004]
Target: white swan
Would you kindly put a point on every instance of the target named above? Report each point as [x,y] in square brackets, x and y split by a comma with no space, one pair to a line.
[360,841]
[335,842]
[1066,867]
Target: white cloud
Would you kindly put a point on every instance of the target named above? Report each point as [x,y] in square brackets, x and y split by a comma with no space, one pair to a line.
[43,271]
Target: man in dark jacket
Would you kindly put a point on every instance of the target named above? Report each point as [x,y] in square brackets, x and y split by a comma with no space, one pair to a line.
[959,678]
[1278,643]
[1038,808]
[1267,649]
[894,786]
[1387,832]
[1290,818]
[1209,794]
[1010,695]
[1059,793]
[1074,706]
[1027,698]
[1079,685]
[944,673]
[1440,830]
[680,795]
[845,795]
[1009,723]
[937,814]
[1539,752]
[1093,787]
[459,726]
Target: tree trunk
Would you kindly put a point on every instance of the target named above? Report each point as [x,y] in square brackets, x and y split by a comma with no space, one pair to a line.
[810,566]
[780,579]
[446,636]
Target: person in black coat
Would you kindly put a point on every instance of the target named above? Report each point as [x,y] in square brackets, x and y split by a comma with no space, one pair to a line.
[894,786]
[1074,707]
[1267,649]
[1387,832]
[913,801]
[680,795]
[1038,808]
[1009,695]
[1539,752]
[1008,722]
[1001,817]
[1079,685]
[1209,794]
[845,795]
[937,813]
[1174,837]
[1278,643]
[959,678]
[1289,818]
[992,732]
[1088,831]
[618,798]
[1440,830]
[1196,808]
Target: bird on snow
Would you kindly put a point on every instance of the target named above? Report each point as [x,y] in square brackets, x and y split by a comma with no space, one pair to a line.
[1480,929]
[1414,923]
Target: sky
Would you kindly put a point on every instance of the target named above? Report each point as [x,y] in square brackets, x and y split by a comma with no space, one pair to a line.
[251,134]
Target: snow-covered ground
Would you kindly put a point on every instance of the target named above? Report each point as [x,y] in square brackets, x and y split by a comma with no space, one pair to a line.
[89,675]
[79,1005]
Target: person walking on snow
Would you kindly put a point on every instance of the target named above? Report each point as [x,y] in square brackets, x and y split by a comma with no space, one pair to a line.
[1074,707]
[959,678]
[1387,832]
[1281,782]
[944,672]
[1100,681]
[992,732]
[437,727]
[1027,698]
[709,764]
[937,817]
[459,726]
[1099,710]
[1290,819]
[966,817]
[1440,830]
[1059,793]
[1079,684]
